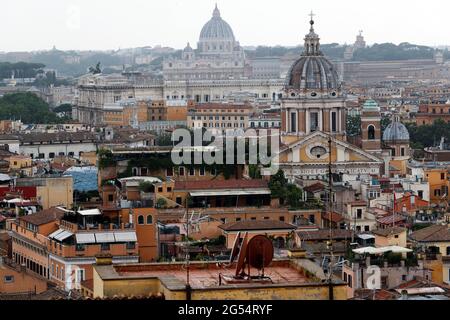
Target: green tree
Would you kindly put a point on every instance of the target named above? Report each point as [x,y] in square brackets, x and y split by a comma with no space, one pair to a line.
[354,126]
[27,107]
[294,196]
[161,203]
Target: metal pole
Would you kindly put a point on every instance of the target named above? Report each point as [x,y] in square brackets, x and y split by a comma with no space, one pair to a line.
[330,208]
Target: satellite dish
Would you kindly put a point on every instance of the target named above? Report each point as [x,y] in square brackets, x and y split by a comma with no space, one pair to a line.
[260,252]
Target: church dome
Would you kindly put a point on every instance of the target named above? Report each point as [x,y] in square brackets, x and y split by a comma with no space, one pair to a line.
[313,71]
[396,132]
[216,29]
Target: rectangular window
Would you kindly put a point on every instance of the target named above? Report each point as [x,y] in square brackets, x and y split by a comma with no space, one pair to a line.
[293,122]
[350,281]
[333,122]
[359,213]
[169,172]
[442,176]
[80,275]
[314,121]
[80,247]
[8,279]
[192,171]
[181,171]
[131,245]
[202,171]
[105,246]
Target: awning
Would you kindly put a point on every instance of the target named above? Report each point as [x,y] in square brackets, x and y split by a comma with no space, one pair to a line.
[105,237]
[63,235]
[366,236]
[85,238]
[60,235]
[54,234]
[125,236]
[372,250]
[92,212]
[229,193]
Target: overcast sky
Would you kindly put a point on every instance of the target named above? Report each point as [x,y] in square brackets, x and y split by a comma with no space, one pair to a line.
[113,24]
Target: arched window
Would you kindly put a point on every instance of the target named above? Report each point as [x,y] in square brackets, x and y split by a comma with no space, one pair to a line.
[141,220]
[371,132]
[149,219]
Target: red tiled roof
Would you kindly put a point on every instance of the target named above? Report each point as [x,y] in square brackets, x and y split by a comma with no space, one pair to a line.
[335,217]
[257,225]
[44,217]
[358,203]
[434,233]
[390,219]
[220,184]
[338,234]
[314,187]
[388,231]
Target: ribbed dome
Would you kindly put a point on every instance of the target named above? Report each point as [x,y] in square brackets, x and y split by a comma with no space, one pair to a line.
[216,28]
[396,132]
[313,71]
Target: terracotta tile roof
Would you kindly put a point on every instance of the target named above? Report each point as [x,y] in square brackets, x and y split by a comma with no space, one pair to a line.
[366,294]
[257,225]
[436,233]
[335,217]
[324,234]
[44,217]
[388,231]
[220,184]
[390,219]
[314,187]
[358,203]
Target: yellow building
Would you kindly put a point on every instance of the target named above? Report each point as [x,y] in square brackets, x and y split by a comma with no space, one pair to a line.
[21,165]
[51,191]
[438,181]
[436,241]
[390,237]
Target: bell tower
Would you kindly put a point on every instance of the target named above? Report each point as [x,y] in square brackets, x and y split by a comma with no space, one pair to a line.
[371,127]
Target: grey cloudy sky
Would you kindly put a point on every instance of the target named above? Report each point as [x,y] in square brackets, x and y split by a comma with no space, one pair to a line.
[110,24]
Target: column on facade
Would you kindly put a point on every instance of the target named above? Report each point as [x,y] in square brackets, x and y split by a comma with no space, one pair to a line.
[301,121]
[307,122]
[327,121]
[321,124]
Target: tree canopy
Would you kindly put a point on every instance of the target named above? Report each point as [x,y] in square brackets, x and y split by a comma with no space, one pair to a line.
[20,69]
[428,135]
[26,107]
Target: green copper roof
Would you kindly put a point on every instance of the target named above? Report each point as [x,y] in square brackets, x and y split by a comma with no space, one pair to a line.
[371,104]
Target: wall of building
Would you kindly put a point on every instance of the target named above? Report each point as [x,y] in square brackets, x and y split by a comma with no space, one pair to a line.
[21,281]
[56,192]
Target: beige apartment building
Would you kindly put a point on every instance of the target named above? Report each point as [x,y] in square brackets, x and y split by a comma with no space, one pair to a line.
[219,117]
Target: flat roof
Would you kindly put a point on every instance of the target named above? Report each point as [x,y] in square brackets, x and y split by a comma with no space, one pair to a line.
[202,276]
